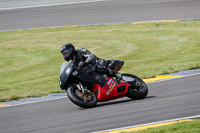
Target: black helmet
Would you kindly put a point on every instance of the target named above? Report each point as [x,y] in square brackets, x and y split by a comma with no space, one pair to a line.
[67,51]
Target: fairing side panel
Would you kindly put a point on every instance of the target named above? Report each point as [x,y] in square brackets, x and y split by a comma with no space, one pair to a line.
[122,94]
[109,91]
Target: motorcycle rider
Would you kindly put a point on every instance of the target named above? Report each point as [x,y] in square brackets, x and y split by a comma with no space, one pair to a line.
[83,57]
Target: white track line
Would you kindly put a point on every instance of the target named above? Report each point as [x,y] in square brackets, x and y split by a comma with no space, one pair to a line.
[34,102]
[45,5]
[183,118]
[187,19]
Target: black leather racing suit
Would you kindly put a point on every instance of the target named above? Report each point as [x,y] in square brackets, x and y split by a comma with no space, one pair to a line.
[85,58]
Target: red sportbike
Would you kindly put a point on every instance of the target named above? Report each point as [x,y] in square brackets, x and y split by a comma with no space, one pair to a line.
[86,87]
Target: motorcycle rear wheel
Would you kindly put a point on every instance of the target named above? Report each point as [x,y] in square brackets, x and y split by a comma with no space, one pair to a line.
[137,89]
[87,100]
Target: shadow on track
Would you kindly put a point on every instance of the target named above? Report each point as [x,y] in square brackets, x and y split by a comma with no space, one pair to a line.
[121,101]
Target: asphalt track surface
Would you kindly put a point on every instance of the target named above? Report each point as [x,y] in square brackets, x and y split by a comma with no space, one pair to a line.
[109,11]
[166,100]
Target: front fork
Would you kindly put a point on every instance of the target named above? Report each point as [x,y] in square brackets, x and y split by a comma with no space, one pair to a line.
[81,88]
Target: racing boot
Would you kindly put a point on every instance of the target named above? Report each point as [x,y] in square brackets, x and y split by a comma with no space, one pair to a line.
[113,73]
[118,77]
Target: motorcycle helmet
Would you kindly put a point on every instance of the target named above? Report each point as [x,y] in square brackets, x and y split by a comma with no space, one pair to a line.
[67,51]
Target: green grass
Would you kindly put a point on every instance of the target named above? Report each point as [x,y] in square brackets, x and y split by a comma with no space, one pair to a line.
[30,59]
[184,127]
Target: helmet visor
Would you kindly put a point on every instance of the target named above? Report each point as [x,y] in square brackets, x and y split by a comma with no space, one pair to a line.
[66,54]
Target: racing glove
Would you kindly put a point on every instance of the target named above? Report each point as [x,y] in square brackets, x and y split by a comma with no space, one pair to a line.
[80,64]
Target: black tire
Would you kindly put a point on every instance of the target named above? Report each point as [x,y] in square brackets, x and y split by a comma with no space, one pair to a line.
[76,99]
[138,88]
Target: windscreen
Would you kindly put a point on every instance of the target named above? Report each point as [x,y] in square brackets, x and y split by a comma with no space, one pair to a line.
[63,67]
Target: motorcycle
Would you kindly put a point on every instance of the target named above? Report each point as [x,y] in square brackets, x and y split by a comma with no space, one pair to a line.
[86,87]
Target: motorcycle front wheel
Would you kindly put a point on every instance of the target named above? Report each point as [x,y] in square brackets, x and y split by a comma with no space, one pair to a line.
[87,100]
[137,89]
